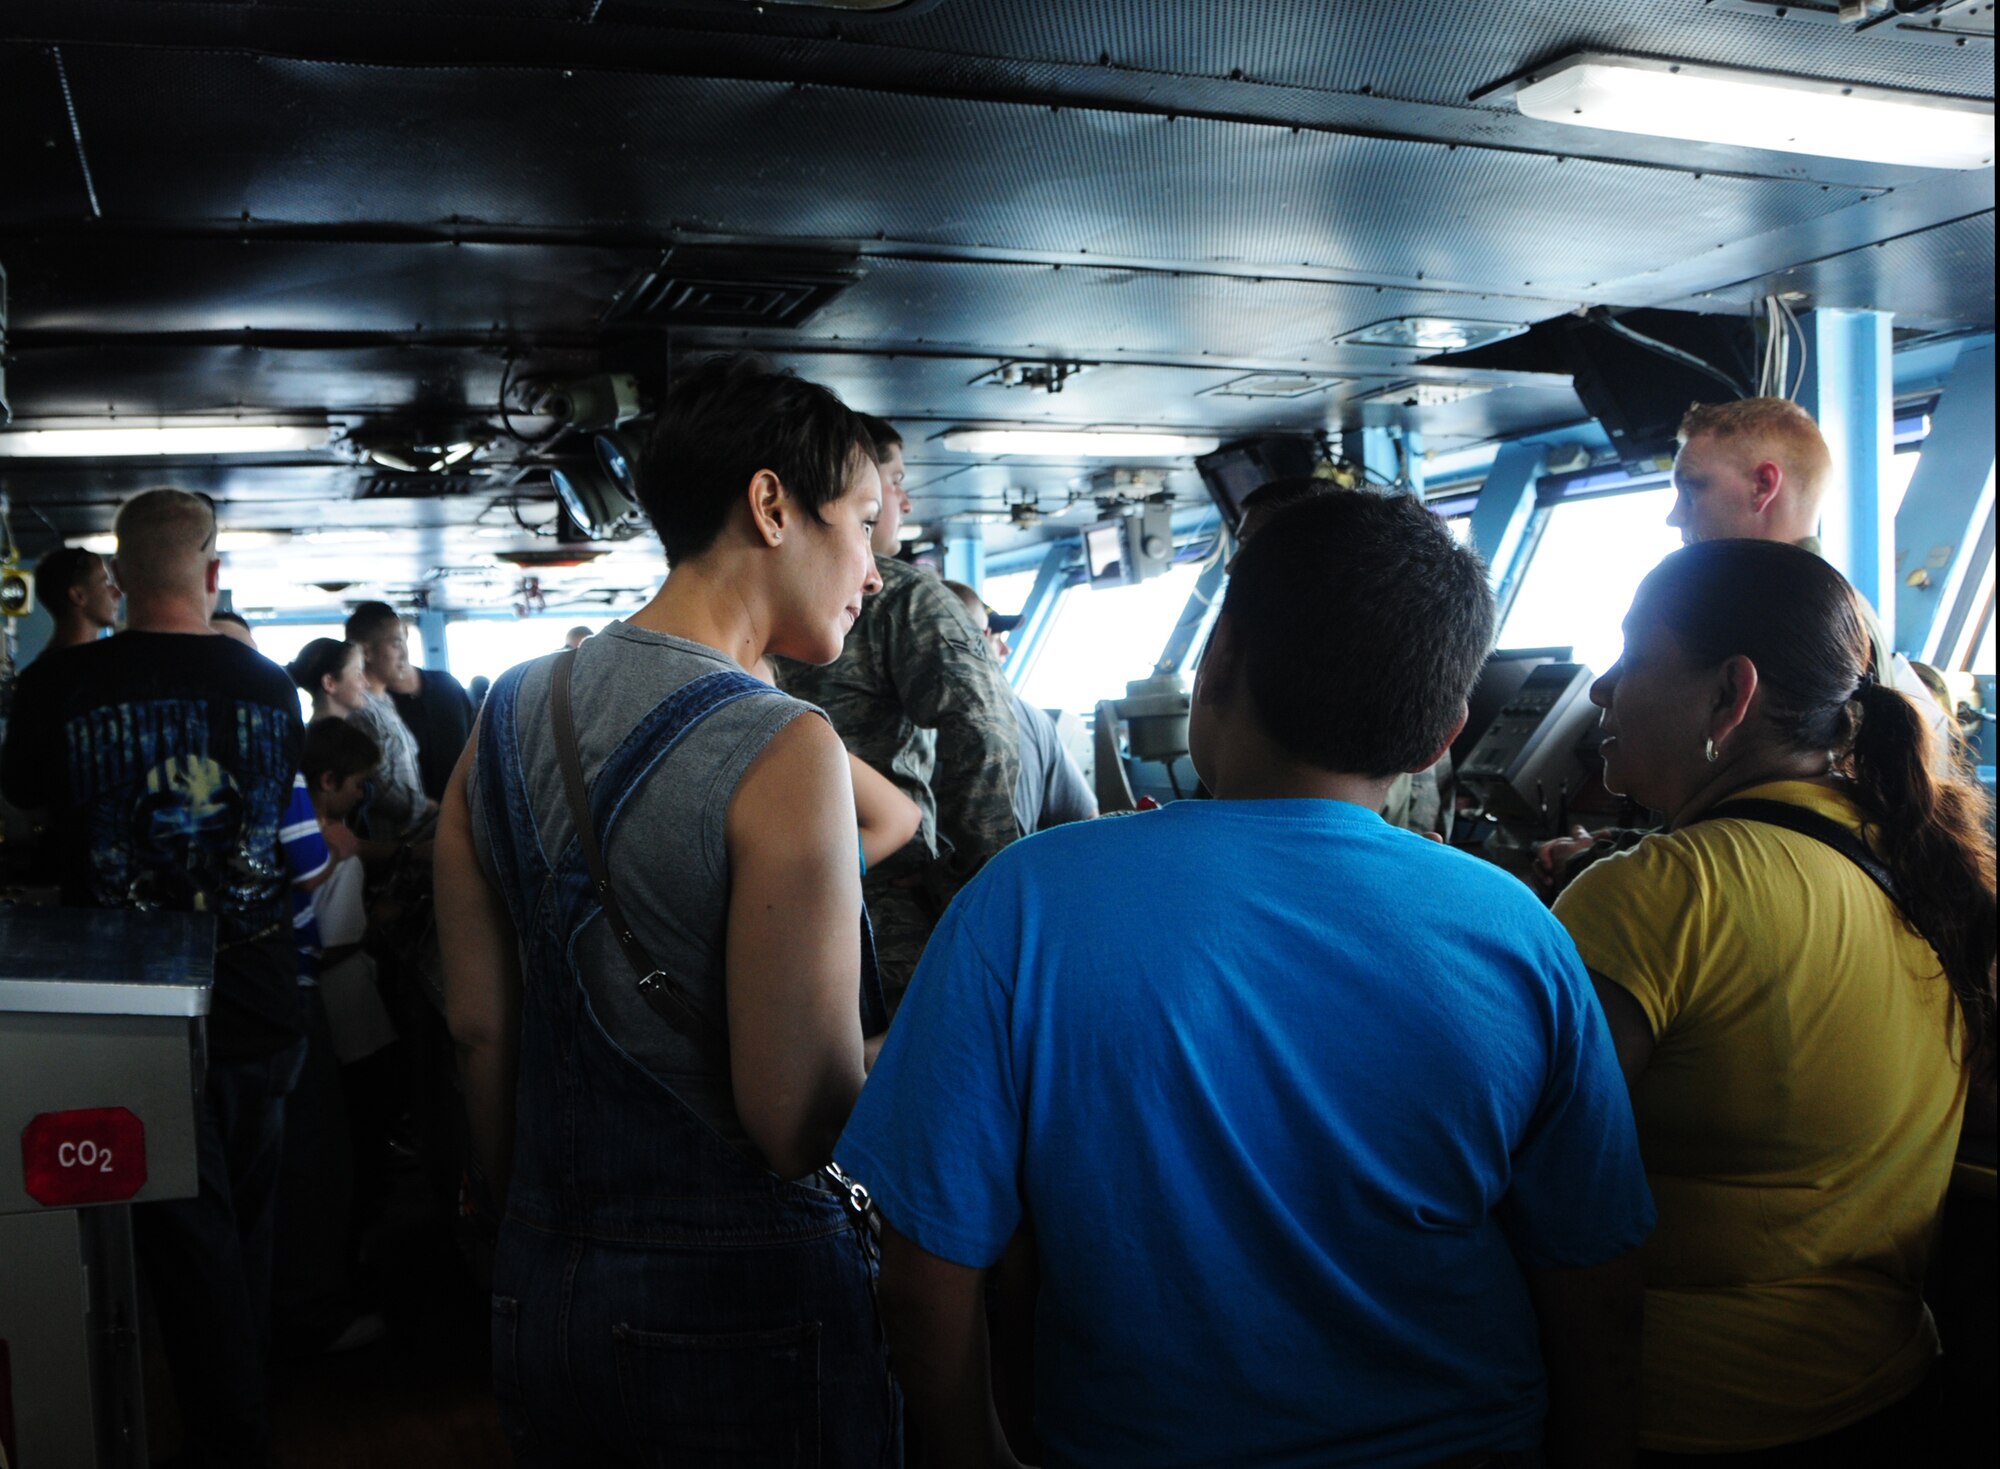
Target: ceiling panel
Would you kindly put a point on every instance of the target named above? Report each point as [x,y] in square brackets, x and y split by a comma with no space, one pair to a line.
[1936,279]
[364,146]
[1437,50]
[112,284]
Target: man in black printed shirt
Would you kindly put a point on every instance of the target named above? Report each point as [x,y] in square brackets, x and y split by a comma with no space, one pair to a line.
[164,757]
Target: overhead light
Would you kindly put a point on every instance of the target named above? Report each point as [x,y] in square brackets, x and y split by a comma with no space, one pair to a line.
[1750,109]
[618,453]
[423,458]
[590,496]
[219,438]
[909,530]
[105,543]
[1078,443]
[1430,333]
[551,560]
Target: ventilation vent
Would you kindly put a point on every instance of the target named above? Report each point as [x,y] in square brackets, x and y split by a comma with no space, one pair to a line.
[415,486]
[1273,385]
[705,287]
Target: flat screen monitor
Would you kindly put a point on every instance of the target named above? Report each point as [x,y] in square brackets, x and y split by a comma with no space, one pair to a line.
[1107,552]
[1637,390]
[1235,470]
[1505,671]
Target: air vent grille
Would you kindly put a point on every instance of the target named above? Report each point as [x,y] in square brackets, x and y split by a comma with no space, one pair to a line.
[1274,385]
[706,287]
[415,486]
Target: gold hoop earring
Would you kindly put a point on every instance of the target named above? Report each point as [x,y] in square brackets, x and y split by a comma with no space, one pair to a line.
[1708,749]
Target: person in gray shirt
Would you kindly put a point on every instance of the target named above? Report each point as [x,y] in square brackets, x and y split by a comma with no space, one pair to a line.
[1050,790]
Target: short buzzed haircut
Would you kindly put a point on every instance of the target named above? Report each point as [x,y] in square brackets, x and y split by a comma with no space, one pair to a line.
[369,620]
[165,540]
[882,434]
[1359,625]
[59,571]
[974,603]
[1774,428]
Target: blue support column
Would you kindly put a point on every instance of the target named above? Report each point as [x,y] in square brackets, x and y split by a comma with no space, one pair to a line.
[430,627]
[1413,462]
[1392,455]
[965,555]
[1038,612]
[1950,499]
[1849,391]
[1504,512]
[1181,641]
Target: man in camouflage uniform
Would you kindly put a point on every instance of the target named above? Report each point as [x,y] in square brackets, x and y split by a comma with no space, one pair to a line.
[915,694]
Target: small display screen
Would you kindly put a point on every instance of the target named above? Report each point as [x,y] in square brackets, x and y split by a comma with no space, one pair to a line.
[1104,552]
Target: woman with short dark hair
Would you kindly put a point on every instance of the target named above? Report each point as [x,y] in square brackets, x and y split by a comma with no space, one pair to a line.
[657,973]
[1799,975]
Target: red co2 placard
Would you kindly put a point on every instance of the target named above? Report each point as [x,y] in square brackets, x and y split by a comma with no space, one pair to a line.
[96,1155]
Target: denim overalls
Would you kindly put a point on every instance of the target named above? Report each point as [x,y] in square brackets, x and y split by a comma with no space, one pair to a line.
[658,1297]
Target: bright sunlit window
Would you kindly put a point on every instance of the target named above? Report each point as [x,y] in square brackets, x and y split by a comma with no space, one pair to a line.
[1008,592]
[1101,640]
[281,641]
[1592,557]
[488,647]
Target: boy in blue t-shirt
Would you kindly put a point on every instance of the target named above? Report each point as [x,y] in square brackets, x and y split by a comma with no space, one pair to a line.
[1315,1125]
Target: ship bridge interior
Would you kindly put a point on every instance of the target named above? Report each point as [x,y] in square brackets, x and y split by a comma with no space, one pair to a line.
[423,245]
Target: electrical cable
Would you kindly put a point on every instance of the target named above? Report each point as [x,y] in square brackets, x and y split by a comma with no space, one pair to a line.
[1805,348]
[507,424]
[1675,354]
[543,528]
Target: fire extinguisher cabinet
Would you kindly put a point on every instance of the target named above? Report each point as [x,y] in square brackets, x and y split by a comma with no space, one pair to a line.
[101,1060]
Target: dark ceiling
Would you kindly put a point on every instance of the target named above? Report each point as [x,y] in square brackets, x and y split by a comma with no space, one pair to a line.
[375,212]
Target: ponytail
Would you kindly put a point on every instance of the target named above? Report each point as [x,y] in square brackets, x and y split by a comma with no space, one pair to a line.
[318,659]
[1801,624]
[1930,832]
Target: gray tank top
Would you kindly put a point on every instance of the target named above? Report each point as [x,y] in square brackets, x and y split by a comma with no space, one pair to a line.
[667,855]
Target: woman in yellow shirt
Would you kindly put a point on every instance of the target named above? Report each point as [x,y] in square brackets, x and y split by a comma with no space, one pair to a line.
[1798,1045]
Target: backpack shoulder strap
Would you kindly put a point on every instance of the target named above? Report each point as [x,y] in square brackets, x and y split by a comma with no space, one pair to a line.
[1822,829]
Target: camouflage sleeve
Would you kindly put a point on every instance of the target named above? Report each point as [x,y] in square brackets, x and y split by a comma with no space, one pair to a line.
[948,682]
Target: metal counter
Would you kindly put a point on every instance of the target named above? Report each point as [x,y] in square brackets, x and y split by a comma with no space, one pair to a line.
[101,1067]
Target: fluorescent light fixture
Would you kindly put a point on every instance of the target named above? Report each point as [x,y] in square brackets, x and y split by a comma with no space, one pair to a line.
[1077,443]
[1748,109]
[106,544]
[909,530]
[215,438]
[1430,333]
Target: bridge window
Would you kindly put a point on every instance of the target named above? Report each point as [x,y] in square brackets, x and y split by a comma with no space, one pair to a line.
[1098,641]
[1008,592]
[281,641]
[489,646]
[1592,557]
